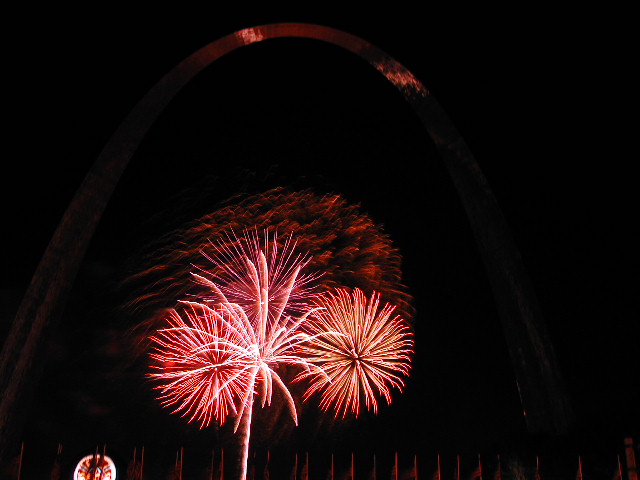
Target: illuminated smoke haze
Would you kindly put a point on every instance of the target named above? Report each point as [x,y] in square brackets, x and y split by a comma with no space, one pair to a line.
[343,243]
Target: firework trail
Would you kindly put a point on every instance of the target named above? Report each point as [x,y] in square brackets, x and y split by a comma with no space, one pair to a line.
[369,355]
[213,359]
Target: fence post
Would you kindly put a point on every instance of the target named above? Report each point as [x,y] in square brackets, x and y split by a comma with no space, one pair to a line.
[632,470]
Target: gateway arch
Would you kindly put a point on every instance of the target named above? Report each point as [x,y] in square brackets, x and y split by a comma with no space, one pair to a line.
[542,390]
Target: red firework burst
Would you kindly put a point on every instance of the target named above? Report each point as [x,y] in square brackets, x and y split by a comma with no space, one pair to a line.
[202,369]
[211,363]
[368,354]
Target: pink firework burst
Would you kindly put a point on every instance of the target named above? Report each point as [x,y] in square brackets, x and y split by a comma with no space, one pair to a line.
[367,356]
[258,272]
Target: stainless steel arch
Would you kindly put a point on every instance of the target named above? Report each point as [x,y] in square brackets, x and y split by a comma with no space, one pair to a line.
[541,387]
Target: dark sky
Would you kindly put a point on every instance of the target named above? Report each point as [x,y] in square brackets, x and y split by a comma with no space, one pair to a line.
[538,97]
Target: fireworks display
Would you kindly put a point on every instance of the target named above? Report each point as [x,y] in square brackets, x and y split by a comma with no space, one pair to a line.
[169,316]
[368,355]
[224,347]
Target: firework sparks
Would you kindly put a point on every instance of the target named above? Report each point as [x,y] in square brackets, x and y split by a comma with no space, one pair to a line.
[367,357]
[245,267]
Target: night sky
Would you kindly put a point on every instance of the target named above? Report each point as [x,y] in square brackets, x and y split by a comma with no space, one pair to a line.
[539,99]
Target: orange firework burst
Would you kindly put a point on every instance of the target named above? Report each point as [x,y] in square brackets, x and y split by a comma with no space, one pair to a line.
[367,356]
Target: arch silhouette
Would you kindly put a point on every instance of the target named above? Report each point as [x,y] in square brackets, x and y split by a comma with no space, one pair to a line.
[540,384]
